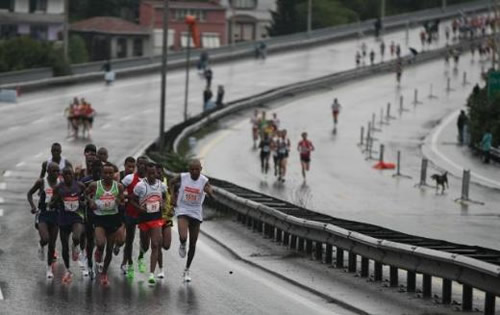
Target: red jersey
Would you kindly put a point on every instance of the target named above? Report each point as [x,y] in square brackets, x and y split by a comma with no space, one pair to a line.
[130,181]
[305,147]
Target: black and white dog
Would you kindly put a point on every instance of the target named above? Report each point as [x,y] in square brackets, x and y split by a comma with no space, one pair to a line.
[441,180]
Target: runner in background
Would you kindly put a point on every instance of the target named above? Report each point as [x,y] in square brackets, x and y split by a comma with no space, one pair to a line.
[305,147]
[335,113]
[167,216]
[255,121]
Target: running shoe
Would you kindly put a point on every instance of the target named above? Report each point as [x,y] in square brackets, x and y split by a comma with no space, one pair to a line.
[123,268]
[85,271]
[152,280]
[116,250]
[104,280]
[141,265]
[82,260]
[130,272]
[41,252]
[182,250]
[67,277]
[91,274]
[75,252]
[49,272]
[186,275]
[161,274]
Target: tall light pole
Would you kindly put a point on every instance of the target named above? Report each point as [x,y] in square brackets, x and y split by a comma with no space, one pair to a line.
[309,16]
[190,21]
[163,75]
[66,30]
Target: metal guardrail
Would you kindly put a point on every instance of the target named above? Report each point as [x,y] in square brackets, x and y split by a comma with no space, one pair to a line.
[135,66]
[299,228]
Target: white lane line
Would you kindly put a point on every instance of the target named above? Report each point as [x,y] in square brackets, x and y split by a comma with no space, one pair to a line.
[1,295]
[106,126]
[20,164]
[435,149]
[126,118]
[7,174]
[2,200]
[39,120]
[1,212]
[3,186]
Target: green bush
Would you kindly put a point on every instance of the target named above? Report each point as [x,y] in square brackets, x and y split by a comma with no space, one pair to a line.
[77,49]
[23,53]
[483,114]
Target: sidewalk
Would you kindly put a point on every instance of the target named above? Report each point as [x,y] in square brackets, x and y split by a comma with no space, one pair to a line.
[442,148]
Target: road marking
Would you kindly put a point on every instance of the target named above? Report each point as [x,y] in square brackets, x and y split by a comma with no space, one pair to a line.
[435,149]
[3,186]
[126,118]
[1,295]
[106,126]
[1,212]
[7,174]
[20,164]
[2,200]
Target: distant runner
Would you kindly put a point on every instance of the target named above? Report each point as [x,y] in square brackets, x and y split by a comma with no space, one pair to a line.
[335,112]
[265,153]
[305,147]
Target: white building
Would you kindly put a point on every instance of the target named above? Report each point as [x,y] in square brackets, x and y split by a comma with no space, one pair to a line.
[248,18]
[40,19]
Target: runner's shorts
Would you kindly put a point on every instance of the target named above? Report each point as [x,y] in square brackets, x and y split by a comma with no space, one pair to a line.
[110,223]
[149,225]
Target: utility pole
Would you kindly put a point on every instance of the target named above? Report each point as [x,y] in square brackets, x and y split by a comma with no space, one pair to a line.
[309,17]
[163,74]
[188,65]
[66,30]
[233,23]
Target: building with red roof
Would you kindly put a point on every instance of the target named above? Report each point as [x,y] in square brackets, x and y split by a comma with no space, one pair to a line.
[111,37]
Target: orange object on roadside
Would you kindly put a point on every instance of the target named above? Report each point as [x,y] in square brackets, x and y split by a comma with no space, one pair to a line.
[195,32]
[384,166]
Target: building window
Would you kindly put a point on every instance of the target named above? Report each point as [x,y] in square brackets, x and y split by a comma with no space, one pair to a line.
[210,40]
[244,4]
[39,32]
[8,31]
[121,47]
[138,48]
[38,6]
[180,14]
[184,40]
[7,5]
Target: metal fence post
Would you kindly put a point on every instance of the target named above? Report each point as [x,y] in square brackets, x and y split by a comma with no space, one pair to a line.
[431,96]
[362,136]
[466,298]
[415,98]
[446,291]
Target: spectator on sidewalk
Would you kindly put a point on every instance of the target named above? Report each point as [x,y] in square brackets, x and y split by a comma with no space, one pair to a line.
[208,76]
[219,102]
[207,95]
[461,125]
[486,145]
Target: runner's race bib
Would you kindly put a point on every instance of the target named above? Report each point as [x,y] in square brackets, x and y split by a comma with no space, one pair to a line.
[71,203]
[191,196]
[153,204]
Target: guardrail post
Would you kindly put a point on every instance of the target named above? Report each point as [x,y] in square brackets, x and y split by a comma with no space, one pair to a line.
[465,82]
[309,247]
[319,251]
[352,262]
[423,173]
[465,189]
[415,98]
[328,254]
[388,112]
[489,304]
[378,271]
[448,85]
[466,298]
[260,226]
[426,286]
[362,136]
[249,221]
[300,247]
[381,153]
[365,263]
[401,105]
[293,242]
[393,276]
[411,281]
[446,291]
[286,238]
[431,96]
[279,233]
[398,167]
[339,261]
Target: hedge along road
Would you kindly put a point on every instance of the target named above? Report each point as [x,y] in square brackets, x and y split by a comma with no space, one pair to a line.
[342,183]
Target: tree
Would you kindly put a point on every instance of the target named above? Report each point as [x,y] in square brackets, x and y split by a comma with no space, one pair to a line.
[325,13]
[285,20]
[77,50]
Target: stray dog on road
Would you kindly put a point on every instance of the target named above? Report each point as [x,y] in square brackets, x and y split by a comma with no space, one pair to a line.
[441,180]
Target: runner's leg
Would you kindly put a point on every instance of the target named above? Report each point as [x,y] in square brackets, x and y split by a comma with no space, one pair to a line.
[194,230]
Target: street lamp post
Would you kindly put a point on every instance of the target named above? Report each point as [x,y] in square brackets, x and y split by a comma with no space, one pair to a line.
[309,17]
[66,30]
[190,20]
[163,75]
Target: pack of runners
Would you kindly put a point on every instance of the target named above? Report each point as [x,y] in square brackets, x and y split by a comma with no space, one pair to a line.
[101,208]
[80,115]
[273,141]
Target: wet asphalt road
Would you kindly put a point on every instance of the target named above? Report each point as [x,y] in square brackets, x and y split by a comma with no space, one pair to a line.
[127,121]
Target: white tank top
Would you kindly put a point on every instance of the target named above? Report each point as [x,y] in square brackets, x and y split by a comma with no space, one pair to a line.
[191,196]
[49,192]
[62,163]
